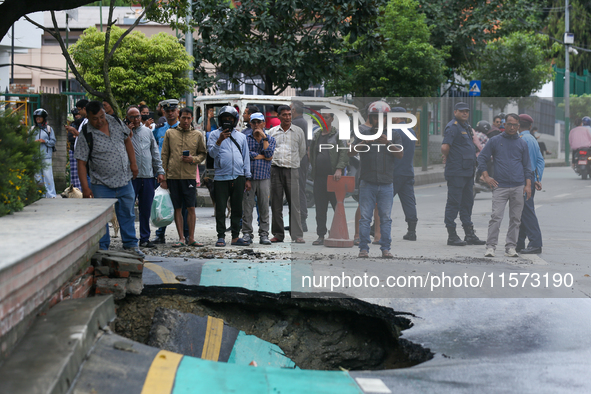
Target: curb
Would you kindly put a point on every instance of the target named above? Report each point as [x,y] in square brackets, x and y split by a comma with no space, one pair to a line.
[49,356]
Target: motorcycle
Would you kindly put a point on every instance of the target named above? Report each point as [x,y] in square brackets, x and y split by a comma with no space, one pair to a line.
[582,162]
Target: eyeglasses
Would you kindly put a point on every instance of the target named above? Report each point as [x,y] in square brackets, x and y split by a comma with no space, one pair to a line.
[134,116]
[510,125]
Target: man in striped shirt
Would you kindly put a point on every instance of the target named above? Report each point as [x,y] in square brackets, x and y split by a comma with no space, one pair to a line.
[261,148]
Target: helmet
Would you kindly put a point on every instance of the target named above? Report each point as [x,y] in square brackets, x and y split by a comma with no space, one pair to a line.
[483,126]
[378,107]
[228,110]
[40,112]
[586,121]
[502,115]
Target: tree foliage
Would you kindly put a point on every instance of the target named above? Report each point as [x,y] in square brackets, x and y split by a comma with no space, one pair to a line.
[285,43]
[12,10]
[579,106]
[466,26]
[516,65]
[150,69]
[20,160]
[580,20]
[404,65]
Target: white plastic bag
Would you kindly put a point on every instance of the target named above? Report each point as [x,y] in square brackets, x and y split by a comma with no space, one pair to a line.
[162,213]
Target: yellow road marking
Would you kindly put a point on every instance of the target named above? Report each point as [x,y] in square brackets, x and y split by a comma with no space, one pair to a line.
[213,339]
[167,276]
[162,372]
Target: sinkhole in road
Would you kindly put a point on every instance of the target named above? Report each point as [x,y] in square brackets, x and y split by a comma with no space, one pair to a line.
[314,333]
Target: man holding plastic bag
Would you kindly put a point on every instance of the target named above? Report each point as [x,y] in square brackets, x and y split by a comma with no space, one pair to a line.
[182,150]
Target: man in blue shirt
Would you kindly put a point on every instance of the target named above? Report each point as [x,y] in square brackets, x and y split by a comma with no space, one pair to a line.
[229,149]
[512,172]
[460,162]
[404,179]
[261,148]
[530,227]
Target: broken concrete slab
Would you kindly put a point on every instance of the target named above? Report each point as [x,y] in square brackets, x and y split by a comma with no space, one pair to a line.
[49,356]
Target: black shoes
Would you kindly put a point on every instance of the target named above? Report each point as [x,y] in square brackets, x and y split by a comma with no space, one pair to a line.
[531,250]
[159,240]
[147,244]
[471,238]
[453,239]
[411,235]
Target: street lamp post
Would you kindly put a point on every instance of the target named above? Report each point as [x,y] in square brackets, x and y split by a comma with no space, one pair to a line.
[566,85]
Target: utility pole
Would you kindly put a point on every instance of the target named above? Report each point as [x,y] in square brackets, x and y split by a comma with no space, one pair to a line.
[566,84]
[12,57]
[67,45]
[189,48]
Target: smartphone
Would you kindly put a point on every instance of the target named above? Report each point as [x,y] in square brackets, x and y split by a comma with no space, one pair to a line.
[185,153]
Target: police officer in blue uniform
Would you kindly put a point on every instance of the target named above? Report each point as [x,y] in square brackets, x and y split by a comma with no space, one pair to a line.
[404,179]
[459,152]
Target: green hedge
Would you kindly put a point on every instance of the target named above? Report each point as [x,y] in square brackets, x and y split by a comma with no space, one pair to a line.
[19,162]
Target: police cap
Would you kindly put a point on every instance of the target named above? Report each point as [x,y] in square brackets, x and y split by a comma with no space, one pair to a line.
[461,106]
[526,118]
[170,104]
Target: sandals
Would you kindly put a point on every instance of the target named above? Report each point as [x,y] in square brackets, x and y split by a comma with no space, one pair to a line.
[356,241]
[387,255]
[319,241]
[178,244]
[363,254]
[377,242]
[195,244]
[220,243]
[300,241]
[239,242]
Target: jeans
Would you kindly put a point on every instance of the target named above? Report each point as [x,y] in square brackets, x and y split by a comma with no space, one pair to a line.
[144,192]
[369,195]
[124,209]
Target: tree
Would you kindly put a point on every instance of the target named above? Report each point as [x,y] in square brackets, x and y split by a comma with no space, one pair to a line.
[108,50]
[580,19]
[12,10]
[465,27]
[580,106]
[150,69]
[516,65]
[405,65]
[285,43]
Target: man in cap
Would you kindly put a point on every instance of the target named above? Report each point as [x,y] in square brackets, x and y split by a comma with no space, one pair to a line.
[377,156]
[530,227]
[261,148]
[459,155]
[404,179]
[251,109]
[171,112]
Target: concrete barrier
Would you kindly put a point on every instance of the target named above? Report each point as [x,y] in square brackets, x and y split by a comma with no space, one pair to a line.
[45,252]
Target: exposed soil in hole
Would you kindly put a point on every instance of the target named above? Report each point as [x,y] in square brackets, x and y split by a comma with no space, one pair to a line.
[322,334]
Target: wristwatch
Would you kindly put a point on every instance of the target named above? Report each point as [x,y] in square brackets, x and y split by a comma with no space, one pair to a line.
[266,139]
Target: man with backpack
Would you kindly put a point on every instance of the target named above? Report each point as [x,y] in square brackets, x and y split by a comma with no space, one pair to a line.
[104,145]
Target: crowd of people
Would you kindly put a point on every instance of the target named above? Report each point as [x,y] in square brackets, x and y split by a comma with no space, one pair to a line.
[255,168]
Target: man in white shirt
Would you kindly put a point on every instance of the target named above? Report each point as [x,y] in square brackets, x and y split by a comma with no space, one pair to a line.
[289,151]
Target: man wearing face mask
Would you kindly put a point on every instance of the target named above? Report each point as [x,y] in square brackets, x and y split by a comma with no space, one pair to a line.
[459,154]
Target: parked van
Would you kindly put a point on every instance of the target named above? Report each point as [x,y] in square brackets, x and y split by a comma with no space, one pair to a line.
[267,104]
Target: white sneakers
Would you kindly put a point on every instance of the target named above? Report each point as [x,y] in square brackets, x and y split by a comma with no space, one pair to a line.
[511,252]
[490,252]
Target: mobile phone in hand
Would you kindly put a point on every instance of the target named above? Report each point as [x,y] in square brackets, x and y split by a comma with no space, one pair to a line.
[185,153]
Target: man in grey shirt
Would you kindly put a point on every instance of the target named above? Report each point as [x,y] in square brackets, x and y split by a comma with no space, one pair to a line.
[105,145]
[147,156]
